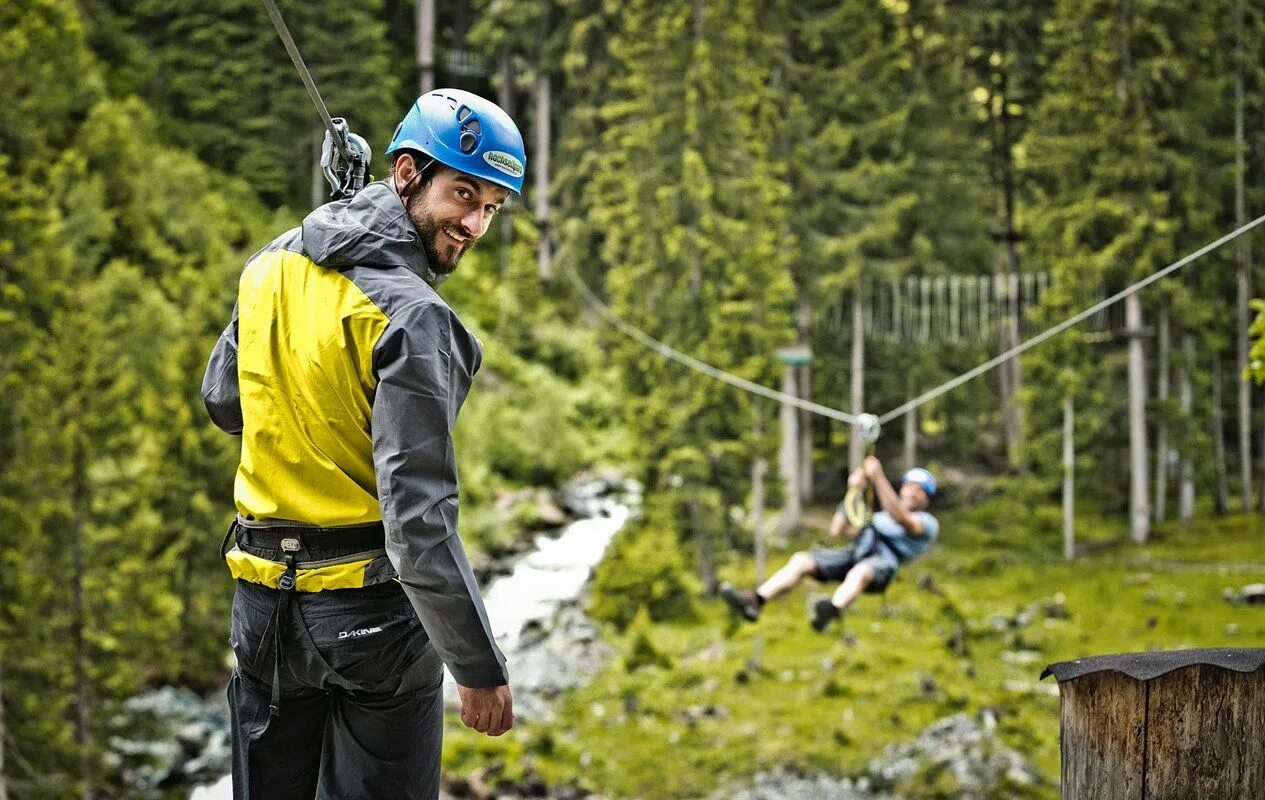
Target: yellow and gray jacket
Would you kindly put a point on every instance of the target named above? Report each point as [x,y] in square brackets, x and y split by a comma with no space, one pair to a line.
[343,371]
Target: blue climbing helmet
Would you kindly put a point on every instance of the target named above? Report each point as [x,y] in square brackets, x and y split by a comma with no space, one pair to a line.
[923,478]
[466,132]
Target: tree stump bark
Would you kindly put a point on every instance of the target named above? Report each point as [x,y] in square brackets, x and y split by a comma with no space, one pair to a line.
[1185,725]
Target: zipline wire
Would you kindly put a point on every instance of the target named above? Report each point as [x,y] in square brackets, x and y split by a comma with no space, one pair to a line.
[279,23]
[1023,347]
[633,332]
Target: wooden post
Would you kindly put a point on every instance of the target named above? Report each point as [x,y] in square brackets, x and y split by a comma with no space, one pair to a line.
[1161,433]
[1186,465]
[1163,725]
[805,435]
[788,457]
[1139,500]
[1069,480]
[857,384]
[789,462]
[425,46]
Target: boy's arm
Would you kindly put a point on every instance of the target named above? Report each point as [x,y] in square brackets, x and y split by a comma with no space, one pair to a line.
[890,500]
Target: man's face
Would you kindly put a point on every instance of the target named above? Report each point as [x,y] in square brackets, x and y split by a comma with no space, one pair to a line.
[913,496]
[450,212]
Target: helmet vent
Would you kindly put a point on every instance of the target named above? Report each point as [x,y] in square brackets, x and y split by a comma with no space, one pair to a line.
[471,129]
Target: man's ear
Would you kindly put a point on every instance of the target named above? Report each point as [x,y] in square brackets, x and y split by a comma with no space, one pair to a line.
[403,170]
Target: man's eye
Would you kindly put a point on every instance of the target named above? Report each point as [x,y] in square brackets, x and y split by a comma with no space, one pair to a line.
[464,194]
[490,209]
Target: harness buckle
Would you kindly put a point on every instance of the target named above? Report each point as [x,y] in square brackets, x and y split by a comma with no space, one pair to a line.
[286,583]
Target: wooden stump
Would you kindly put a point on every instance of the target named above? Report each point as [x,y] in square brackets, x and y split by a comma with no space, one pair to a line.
[1185,725]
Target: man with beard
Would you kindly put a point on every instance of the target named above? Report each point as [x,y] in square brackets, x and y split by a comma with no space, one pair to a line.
[343,371]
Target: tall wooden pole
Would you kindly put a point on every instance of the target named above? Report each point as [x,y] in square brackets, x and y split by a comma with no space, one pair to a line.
[1069,480]
[1161,433]
[857,388]
[1186,468]
[1243,273]
[805,435]
[788,457]
[425,46]
[1139,501]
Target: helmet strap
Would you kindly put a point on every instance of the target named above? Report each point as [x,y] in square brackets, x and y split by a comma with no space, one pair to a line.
[406,190]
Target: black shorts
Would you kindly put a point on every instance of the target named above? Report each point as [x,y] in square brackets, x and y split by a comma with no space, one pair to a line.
[834,565]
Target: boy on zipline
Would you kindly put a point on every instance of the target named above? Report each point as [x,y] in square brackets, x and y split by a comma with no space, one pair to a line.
[901,532]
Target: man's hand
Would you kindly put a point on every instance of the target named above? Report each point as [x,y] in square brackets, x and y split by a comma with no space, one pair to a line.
[489,711]
[857,479]
[872,467]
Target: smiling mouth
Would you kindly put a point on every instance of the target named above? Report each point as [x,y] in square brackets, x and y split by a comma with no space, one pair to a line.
[459,239]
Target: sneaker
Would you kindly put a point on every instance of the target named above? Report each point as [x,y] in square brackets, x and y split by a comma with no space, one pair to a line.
[821,613]
[743,602]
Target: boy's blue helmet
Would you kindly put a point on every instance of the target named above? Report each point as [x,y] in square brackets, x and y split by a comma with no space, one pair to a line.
[466,132]
[923,478]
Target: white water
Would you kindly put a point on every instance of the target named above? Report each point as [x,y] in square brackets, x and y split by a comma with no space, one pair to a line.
[543,580]
[552,574]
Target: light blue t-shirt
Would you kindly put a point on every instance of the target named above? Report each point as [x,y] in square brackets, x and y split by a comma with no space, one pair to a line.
[904,545]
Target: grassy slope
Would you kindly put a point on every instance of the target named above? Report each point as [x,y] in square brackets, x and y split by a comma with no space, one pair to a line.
[820,703]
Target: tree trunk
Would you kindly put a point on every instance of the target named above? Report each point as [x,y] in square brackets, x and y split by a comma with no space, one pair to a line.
[1161,433]
[703,549]
[541,169]
[1243,273]
[1139,501]
[788,457]
[4,785]
[1222,499]
[505,98]
[856,448]
[78,615]
[1186,467]
[318,177]
[425,46]
[1069,480]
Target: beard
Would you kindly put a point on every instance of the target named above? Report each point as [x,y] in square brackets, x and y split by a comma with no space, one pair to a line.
[441,256]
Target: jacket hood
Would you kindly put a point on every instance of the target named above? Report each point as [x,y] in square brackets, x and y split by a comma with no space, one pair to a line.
[371,229]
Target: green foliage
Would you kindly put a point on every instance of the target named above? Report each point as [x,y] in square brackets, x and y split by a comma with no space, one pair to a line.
[643,568]
[642,651]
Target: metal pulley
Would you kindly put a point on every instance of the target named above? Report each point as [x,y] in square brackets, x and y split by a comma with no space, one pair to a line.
[869,428]
[345,160]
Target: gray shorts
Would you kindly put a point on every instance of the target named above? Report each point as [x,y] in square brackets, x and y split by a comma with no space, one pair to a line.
[833,565]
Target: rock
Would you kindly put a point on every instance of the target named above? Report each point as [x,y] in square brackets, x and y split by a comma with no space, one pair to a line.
[961,751]
[1232,629]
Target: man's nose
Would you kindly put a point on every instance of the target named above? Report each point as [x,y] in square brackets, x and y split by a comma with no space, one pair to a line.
[476,223]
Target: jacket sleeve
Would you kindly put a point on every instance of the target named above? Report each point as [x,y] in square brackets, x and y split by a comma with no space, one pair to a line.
[424,372]
[219,385]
